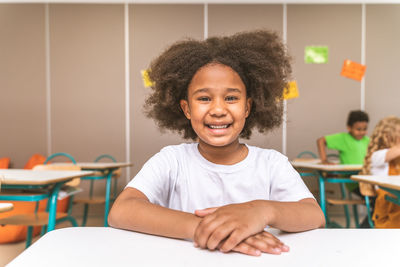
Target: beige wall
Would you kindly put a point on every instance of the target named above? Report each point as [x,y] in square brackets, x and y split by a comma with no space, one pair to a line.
[87,72]
[22,82]
[382,97]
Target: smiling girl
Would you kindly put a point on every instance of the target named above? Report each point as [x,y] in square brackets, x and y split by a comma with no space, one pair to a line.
[219,192]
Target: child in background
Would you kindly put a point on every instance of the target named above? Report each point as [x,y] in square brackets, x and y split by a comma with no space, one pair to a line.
[383,158]
[219,192]
[352,146]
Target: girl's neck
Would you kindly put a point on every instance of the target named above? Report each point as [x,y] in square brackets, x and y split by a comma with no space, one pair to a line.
[226,155]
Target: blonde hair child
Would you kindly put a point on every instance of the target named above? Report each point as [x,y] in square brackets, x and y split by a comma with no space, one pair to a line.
[383,158]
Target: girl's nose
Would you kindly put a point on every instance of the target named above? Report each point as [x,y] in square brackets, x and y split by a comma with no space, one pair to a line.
[218,108]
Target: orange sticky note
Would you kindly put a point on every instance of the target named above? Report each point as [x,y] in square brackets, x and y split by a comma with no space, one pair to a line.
[353,70]
[291,91]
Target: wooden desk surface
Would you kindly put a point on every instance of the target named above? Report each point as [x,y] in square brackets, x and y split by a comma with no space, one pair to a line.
[326,167]
[392,182]
[30,177]
[98,165]
[99,246]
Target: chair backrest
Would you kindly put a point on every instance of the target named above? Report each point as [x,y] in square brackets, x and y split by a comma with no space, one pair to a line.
[307,153]
[61,154]
[105,156]
[4,162]
[117,172]
[36,159]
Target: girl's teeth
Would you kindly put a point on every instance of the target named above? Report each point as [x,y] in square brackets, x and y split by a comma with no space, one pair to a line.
[218,126]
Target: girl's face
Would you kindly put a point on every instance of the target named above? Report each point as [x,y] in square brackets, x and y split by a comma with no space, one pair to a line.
[217,106]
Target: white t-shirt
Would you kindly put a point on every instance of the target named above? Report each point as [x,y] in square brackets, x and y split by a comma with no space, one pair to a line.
[180,178]
[378,164]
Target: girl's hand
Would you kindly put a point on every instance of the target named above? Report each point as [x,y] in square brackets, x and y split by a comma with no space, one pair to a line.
[229,225]
[261,242]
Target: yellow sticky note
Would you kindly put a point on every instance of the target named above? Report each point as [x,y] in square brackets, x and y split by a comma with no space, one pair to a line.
[146,79]
[291,91]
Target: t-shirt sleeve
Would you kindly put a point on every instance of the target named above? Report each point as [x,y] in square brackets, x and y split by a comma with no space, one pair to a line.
[334,141]
[154,179]
[378,158]
[286,183]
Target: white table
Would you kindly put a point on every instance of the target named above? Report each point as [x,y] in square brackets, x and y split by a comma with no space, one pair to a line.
[105,246]
[389,183]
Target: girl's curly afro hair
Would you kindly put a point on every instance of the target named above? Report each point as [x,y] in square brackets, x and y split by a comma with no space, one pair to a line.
[260,59]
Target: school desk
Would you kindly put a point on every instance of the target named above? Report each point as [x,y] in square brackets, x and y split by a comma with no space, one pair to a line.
[387,183]
[103,170]
[106,246]
[31,180]
[330,173]
[6,207]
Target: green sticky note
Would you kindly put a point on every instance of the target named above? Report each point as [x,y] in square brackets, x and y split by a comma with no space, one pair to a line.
[316,54]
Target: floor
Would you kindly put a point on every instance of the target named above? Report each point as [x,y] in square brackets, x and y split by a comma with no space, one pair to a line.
[9,251]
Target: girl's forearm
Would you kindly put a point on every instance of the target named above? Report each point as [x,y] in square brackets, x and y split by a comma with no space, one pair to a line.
[142,216]
[293,216]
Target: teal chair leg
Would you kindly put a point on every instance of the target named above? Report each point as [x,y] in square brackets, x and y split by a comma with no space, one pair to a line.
[367,203]
[322,198]
[85,214]
[29,234]
[107,204]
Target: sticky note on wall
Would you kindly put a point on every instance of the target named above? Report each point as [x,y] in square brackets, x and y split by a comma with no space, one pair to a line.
[291,91]
[146,79]
[316,54]
[353,70]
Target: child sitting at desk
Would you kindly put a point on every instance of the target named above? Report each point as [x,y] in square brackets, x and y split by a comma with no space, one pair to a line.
[219,192]
[352,146]
[383,158]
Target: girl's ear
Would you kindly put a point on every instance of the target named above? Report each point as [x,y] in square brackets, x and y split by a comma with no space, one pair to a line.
[249,102]
[185,107]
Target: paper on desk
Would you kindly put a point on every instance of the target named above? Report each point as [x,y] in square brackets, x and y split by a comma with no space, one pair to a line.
[67,191]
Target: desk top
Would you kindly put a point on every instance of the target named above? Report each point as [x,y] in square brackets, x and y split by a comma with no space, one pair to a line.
[98,165]
[6,207]
[392,181]
[326,167]
[321,247]
[31,177]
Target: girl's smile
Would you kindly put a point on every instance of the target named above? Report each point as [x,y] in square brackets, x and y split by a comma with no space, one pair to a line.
[217,105]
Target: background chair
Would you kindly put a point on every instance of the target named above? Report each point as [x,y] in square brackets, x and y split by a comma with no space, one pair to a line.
[346,198]
[91,198]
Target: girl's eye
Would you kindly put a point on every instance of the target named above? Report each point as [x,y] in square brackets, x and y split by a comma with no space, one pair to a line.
[203,98]
[231,98]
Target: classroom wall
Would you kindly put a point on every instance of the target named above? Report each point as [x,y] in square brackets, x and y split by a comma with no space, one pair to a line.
[87,73]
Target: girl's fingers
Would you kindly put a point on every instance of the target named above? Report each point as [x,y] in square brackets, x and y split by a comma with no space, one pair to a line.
[268,244]
[203,231]
[247,249]
[217,238]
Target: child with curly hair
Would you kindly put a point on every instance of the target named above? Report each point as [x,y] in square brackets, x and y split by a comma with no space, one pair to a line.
[219,192]
[383,158]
